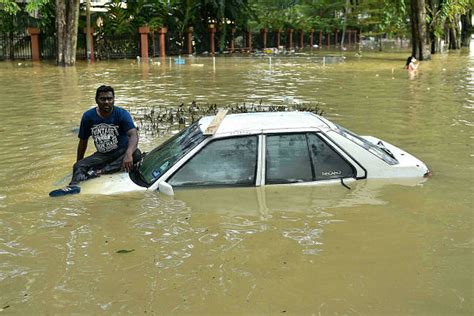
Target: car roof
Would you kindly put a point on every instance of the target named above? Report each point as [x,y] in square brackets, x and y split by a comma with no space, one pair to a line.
[246,123]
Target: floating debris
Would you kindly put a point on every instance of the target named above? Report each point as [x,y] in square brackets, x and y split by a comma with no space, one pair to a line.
[4,308]
[125,250]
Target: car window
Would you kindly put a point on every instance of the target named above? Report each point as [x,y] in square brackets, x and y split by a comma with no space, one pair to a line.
[302,157]
[287,159]
[230,161]
[160,159]
[328,164]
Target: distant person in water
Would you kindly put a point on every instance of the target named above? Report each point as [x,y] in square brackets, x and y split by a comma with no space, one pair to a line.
[410,65]
[115,137]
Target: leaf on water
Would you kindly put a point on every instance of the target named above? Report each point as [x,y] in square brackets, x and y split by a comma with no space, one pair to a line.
[124,250]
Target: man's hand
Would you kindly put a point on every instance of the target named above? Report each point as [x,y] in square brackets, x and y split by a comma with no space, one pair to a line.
[127,164]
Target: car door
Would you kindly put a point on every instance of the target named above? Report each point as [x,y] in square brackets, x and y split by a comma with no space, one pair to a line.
[228,161]
[302,158]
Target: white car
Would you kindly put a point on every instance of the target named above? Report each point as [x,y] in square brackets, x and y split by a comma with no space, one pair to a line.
[256,149]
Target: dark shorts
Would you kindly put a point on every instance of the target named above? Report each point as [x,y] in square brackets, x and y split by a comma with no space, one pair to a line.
[105,162]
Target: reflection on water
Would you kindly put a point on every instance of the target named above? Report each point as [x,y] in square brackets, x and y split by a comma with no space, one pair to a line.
[377,249]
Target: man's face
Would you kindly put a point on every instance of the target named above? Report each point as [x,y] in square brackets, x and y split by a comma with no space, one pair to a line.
[105,101]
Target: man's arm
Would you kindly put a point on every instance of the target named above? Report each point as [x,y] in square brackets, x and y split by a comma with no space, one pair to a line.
[132,146]
[81,148]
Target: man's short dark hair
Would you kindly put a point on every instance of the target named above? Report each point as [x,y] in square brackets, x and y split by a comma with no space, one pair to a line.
[104,88]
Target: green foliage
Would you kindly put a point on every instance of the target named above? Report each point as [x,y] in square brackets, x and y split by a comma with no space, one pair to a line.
[121,19]
[16,17]
[377,17]
[394,17]
[14,20]
[374,17]
[9,7]
[12,7]
[33,5]
[448,11]
[46,18]
[272,14]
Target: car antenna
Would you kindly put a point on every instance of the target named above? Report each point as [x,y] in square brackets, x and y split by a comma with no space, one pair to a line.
[216,122]
[345,185]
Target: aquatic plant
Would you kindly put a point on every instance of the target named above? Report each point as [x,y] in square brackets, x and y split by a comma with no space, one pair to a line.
[161,120]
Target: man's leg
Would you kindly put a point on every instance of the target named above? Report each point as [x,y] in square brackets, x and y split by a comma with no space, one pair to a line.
[116,165]
[79,173]
[103,163]
[82,167]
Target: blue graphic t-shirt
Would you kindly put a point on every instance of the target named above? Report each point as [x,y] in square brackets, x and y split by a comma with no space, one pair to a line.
[109,133]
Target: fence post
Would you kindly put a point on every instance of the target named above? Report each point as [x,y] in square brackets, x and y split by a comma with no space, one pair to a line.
[289,43]
[249,40]
[212,33]
[264,37]
[190,40]
[277,35]
[162,31]
[301,39]
[35,48]
[144,31]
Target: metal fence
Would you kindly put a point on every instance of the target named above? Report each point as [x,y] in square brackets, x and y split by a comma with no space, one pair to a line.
[18,46]
[113,47]
[81,48]
[15,46]
[48,46]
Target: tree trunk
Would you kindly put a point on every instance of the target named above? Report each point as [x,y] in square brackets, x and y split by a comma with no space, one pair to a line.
[344,25]
[436,45]
[466,32]
[455,33]
[438,22]
[421,46]
[222,38]
[67,20]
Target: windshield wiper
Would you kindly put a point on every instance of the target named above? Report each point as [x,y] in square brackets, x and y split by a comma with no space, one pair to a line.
[381,145]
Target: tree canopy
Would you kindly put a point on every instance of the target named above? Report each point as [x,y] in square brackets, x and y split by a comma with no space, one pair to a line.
[388,18]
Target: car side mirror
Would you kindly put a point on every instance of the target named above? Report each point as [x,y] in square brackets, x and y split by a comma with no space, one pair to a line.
[165,188]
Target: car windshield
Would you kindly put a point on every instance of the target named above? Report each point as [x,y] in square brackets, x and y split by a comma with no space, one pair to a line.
[374,149]
[160,159]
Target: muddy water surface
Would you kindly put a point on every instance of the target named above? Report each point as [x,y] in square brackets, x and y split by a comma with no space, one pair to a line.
[380,248]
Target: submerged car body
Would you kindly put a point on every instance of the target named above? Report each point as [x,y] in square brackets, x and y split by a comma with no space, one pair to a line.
[256,149]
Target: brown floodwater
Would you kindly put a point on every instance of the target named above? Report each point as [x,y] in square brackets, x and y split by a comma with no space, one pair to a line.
[381,248]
